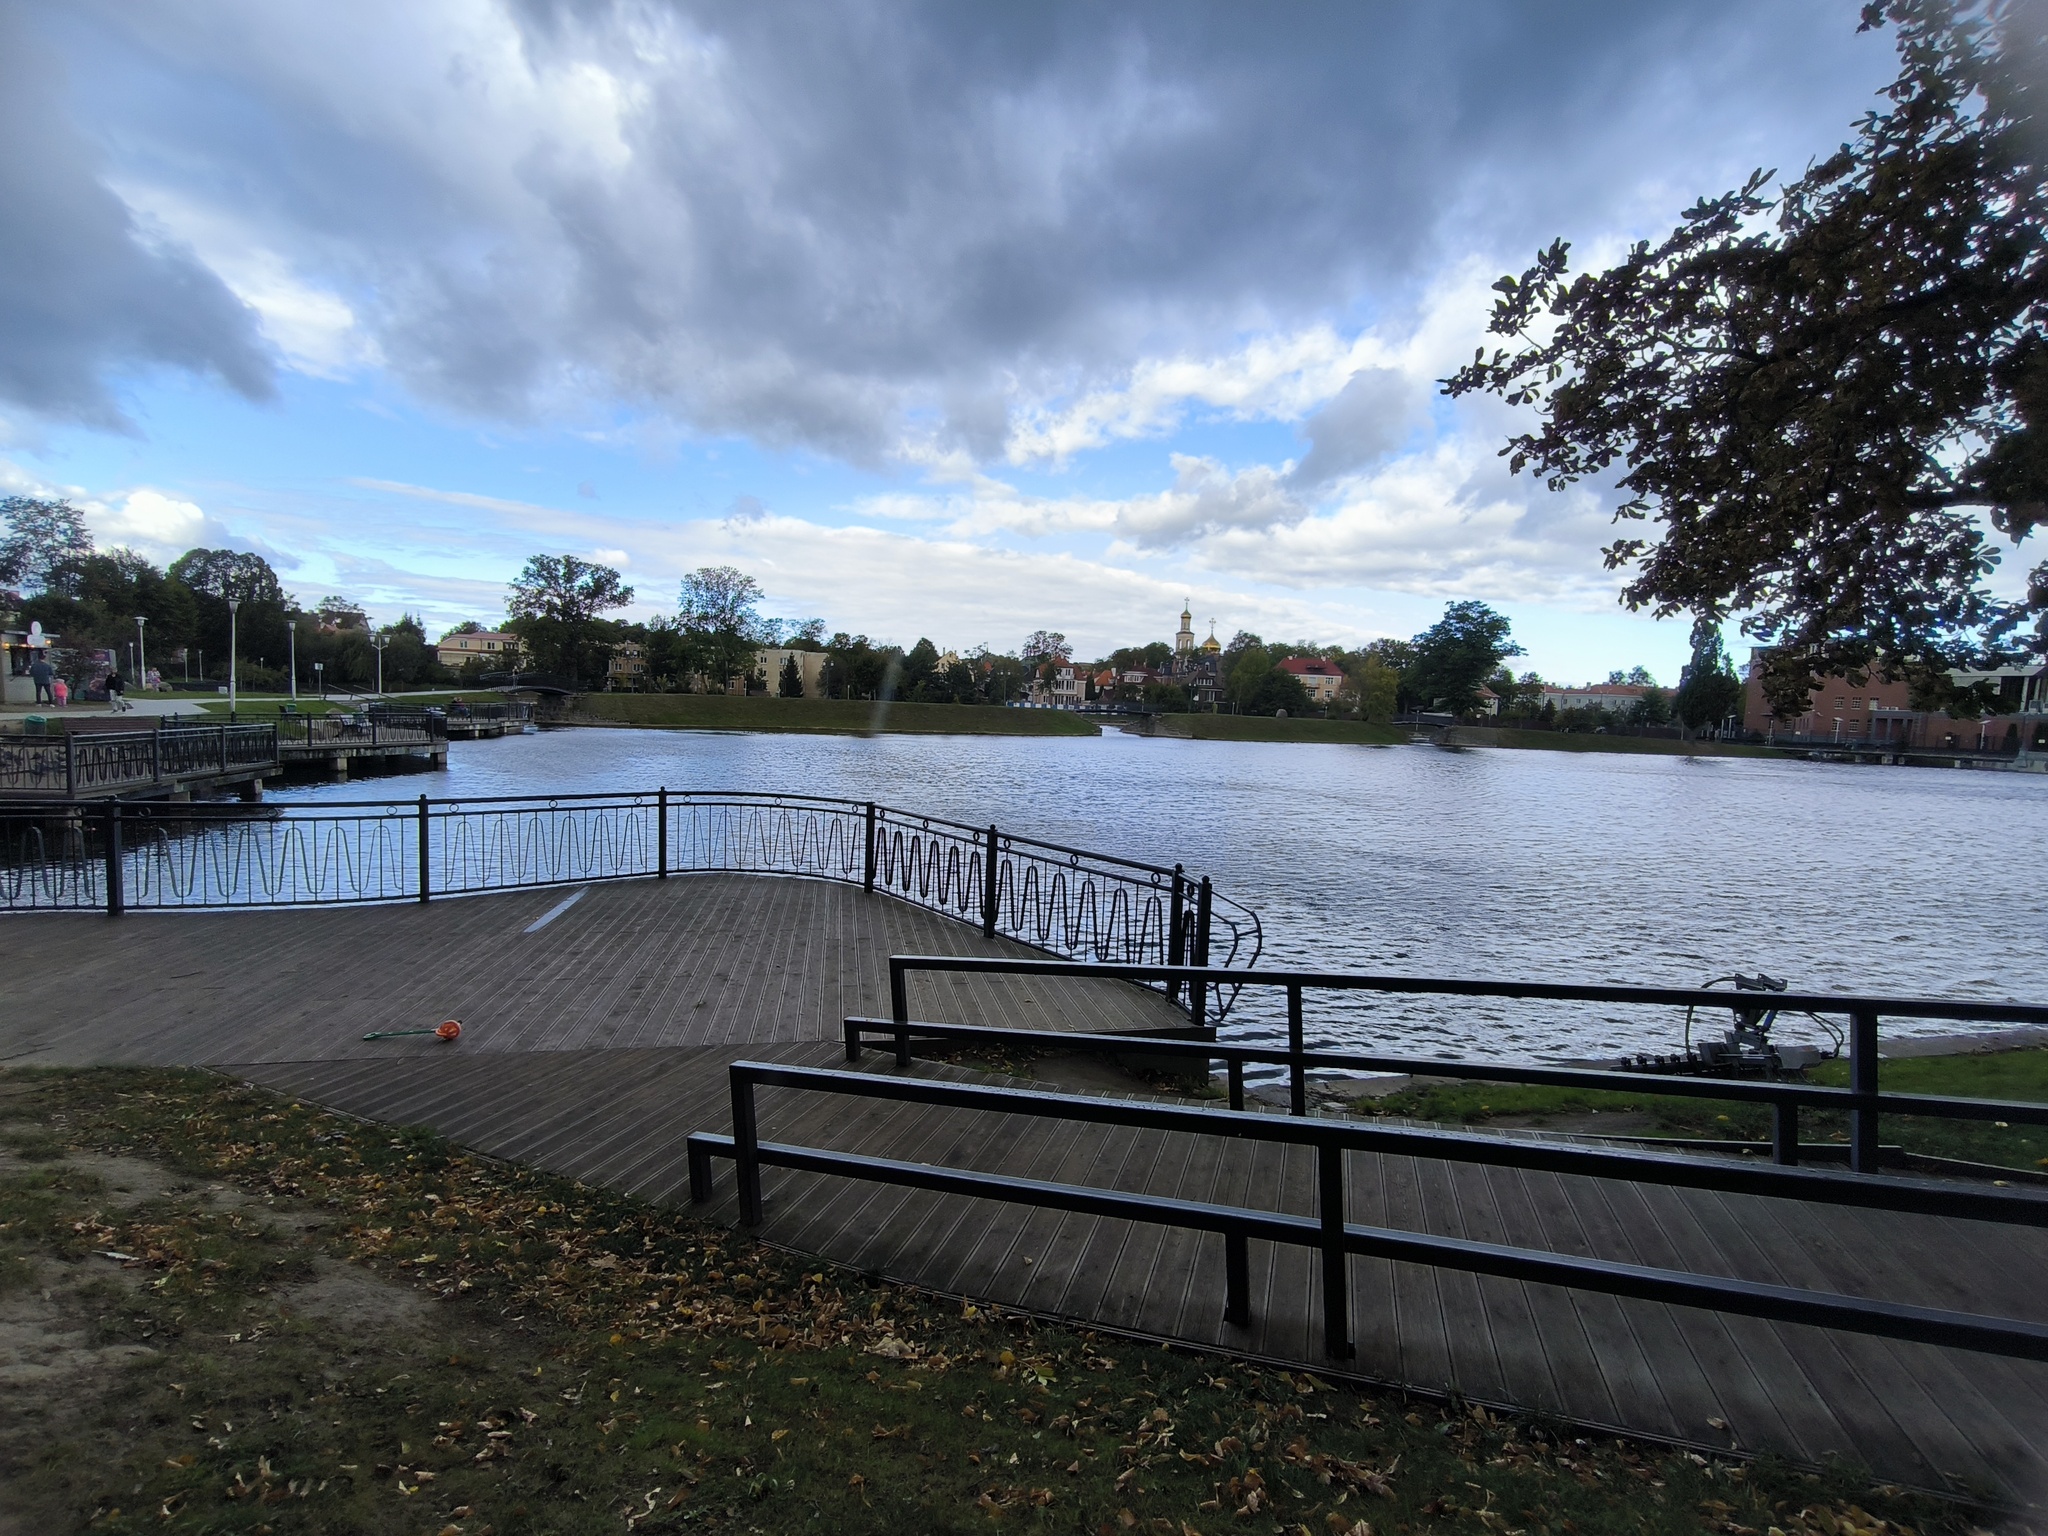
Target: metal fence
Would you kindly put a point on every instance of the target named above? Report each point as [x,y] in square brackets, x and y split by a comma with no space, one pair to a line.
[1064,901]
[102,762]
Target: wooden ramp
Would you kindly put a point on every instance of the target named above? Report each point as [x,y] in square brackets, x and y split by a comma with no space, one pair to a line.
[599,1041]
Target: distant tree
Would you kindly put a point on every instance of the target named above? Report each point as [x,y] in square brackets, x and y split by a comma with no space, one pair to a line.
[229,573]
[467,627]
[1653,708]
[1823,396]
[1130,657]
[791,684]
[1045,649]
[718,612]
[1373,689]
[806,635]
[336,612]
[1273,691]
[1710,692]
[555,606]
[856,668]
[1244,671]
[1455,655]
[38,536]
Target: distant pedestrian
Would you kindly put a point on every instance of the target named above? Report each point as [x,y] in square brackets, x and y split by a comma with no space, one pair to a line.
[61,690]
[43,673]
[117,693]
[153,681]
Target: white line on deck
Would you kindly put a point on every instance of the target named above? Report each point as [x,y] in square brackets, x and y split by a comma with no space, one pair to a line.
[557,909]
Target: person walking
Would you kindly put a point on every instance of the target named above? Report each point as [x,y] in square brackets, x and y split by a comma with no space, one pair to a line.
[117,694]
[43,674]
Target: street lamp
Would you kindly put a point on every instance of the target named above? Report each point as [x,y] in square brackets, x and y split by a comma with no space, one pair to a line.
[141,652]
[291,627]
[234,605]
[378,642]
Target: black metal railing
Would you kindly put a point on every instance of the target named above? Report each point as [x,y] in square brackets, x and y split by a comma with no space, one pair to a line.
[1064,901]
[1786,1098]
[1336,1239]
[91,763]
[373,728]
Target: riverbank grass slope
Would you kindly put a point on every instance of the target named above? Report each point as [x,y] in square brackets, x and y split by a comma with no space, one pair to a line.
[250,1315]
[1268,728]
[725,712]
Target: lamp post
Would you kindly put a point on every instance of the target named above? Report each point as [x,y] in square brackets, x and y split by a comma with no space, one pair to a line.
[320,679]
[141,651]
[234,606]
[291,629]
[378,642]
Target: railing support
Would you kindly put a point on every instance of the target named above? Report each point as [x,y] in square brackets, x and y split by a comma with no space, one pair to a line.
[117,898]
[1863,1156]
[222,745]
[661,834]
[156,752]
[70,765]
[1235,1069]
[1336,1270]
[1297,1069]
[426,866]
[1198,1009]
[1177,930]
[1785,1133]
[1237,1280]
[988,886]
[746,1142]
[867,882]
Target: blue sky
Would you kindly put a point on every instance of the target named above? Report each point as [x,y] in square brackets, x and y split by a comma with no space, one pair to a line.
[939,320]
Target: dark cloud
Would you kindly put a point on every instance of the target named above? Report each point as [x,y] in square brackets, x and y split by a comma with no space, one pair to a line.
[812,225]
[84,294]
[1366,420]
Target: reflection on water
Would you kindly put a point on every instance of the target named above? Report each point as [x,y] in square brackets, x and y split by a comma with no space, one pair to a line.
[1529,865]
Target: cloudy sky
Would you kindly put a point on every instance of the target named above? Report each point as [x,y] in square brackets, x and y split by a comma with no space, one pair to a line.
[947,319]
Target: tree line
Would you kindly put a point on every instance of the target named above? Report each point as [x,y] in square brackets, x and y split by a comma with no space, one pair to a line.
[90,599]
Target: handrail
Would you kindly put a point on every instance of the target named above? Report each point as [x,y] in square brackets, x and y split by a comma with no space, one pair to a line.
[1056,899]
[1337,1238]
[1862,1099]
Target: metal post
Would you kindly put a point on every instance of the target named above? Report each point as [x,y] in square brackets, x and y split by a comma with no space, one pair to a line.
[1336,1272]
[868,879]
[117,901]
[1236,1071]
[425,866]
[221,746]
[1297,1069]
[661,834]
[1785,1133]
[1177,930]
[1199,1011]
[988,886]
[1237,1280]
[70,765]
[156,753]
[746,1141]
[1863,1080]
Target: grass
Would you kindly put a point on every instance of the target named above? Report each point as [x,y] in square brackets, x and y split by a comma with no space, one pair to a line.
[2000,1075]
[722,712]
[1266,728]
[526,1355]
[266,707]
[1590,741]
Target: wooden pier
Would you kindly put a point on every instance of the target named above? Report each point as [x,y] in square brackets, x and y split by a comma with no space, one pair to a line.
[598,1023]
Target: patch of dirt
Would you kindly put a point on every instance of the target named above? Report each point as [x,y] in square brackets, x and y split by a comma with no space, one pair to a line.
[353,1298]
[41,1345]
[129,1181]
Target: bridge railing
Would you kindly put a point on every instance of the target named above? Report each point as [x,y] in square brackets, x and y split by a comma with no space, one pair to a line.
[101,762]
[1063,901]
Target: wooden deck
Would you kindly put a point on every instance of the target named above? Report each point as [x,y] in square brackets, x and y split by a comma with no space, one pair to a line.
[594,1044]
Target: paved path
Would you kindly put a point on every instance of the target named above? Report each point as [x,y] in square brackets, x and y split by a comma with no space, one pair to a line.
[596,1041]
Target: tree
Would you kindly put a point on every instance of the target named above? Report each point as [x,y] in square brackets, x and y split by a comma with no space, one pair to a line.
[1816,414]
[39,535]
[1455,655]
[1273,691]
[1045,649]
[791,684]
[341,613]
[718,612]
[229,573]
[1377,687]
[1710,691]
[555,605]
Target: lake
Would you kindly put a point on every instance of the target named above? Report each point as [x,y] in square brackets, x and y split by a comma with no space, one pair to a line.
[1572,867]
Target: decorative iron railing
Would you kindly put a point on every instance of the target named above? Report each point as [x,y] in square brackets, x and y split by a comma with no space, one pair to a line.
[101,762]
[1059,900]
